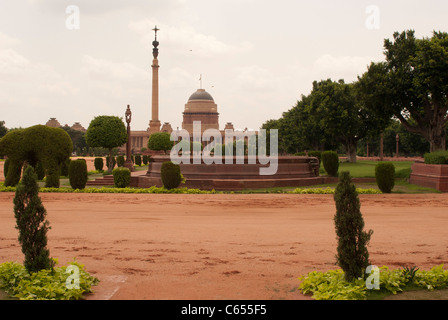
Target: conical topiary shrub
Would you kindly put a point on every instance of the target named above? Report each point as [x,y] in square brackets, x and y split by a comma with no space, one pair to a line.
[352,254]
[385,176]
[31,223]
[78,175]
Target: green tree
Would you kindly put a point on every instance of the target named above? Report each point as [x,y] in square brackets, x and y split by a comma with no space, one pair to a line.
[160,141]
[30,217]
[78,137]
[108,132]
[412,85]
[352,254]
[338,111]
[3,129]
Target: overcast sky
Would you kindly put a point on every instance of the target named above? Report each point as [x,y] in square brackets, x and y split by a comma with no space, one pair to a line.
[257,57]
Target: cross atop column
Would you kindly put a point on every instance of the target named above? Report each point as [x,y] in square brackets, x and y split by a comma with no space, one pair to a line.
[156,29]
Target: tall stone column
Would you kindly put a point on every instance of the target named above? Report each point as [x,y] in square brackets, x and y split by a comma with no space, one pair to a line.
[154,124]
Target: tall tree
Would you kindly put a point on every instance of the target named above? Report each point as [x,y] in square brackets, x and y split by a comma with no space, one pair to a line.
[336,107]
[412,85]
[108,132]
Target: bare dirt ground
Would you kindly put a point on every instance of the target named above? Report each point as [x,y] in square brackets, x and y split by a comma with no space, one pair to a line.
[223,246]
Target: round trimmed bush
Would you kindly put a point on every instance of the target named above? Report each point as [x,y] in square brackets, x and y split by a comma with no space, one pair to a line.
[145,159]
[171,175]
[120,161]
[122,177]
[385,176]
[330,160]
[138,160]
[99,164]
[77,172]
[160,141]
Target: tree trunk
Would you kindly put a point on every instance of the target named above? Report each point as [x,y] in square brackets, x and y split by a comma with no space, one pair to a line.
[111,161]
[351,148]
[437,138]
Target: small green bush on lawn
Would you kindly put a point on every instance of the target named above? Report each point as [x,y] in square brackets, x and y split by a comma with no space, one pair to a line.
[385,176]
[45,284]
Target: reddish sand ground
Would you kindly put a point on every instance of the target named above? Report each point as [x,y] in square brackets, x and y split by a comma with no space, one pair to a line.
[223,246]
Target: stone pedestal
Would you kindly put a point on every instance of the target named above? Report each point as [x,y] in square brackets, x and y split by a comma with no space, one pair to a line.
[292,172]
[430,175]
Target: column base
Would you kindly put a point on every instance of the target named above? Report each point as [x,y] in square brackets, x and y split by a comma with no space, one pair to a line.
[154,126]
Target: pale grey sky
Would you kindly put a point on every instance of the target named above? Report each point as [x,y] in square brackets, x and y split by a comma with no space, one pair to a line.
[257,57]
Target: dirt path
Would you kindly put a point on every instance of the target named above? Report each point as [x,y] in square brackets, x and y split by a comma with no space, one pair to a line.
[223,246]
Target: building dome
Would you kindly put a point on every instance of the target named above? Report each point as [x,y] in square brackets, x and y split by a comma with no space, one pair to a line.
[201,107]
[201,94]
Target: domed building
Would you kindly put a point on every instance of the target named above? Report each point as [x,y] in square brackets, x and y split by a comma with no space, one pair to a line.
[200,107]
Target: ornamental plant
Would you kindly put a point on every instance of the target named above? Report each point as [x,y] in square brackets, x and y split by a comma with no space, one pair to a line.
[30,217]
[385,176]
[107,132]
[352,254]
[120,161]
[122,177]
[330,160]
[78,175]
[99,163]
[138,160]
[171,175]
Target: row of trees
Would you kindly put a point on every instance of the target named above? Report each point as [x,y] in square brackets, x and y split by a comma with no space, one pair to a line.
[410,87]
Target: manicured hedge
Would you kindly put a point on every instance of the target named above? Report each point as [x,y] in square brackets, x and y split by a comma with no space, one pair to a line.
[99,164]
[171,175]
[385,176]
[122,177]
[78,174]
[437,157]
[330,160]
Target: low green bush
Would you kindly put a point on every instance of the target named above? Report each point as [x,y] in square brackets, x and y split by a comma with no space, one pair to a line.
[171,175]
[122,177]
[120,161]
[145,159]
[78,174]
[45,284]
[330,161]
[385,176]
[331,285]
[138,160]
[99,164]
[437,157]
